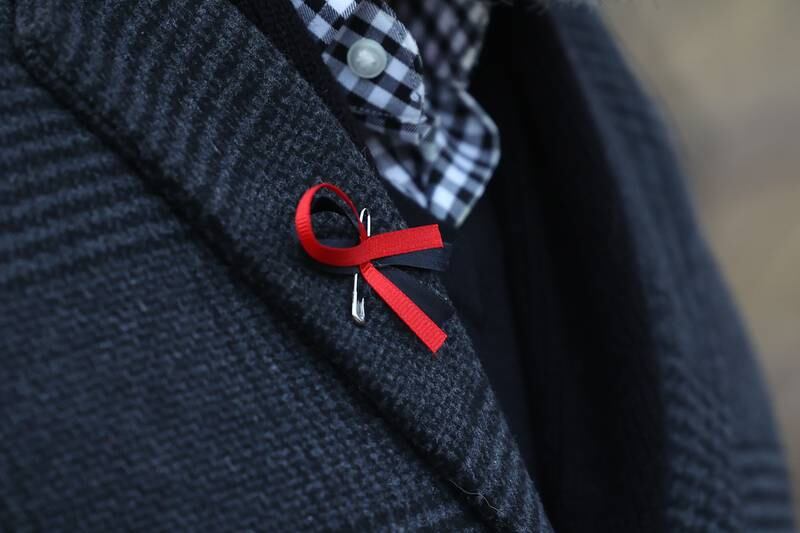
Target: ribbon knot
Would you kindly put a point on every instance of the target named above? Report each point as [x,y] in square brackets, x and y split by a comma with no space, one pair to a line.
[419,247]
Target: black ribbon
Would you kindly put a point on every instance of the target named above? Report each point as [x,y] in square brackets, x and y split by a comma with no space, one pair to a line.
[433,304]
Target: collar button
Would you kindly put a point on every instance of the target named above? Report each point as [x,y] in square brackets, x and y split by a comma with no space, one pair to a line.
[366,58]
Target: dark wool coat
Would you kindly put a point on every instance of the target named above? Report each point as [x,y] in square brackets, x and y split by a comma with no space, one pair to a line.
[170,362]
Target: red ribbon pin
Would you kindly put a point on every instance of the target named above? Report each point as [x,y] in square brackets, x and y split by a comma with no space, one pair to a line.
[369,249]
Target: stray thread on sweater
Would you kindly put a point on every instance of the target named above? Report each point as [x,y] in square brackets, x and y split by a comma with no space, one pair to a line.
[478,494]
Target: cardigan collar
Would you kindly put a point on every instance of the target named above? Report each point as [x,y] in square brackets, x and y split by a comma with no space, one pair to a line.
[215,119]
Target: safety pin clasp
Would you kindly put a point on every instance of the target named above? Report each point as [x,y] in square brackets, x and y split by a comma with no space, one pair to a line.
[357,305]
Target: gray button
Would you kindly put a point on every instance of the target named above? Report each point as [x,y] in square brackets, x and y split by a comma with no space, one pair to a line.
[366,58]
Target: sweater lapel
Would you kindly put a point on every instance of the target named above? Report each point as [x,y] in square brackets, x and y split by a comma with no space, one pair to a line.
[216,120]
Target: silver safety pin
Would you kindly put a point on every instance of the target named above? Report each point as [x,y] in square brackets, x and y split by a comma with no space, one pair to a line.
[357,306]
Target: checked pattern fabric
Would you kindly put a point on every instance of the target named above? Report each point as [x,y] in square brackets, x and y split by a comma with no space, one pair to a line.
[429,138]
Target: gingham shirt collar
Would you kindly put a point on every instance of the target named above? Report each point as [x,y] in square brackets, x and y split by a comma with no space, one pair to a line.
[429,138]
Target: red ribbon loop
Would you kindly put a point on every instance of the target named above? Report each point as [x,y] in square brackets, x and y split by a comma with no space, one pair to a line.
[369,249]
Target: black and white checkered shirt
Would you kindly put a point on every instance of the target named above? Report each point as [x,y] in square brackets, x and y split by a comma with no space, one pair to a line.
[430,139]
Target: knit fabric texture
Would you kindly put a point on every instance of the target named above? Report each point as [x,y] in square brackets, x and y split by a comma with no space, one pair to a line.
[171,363]
[723,464]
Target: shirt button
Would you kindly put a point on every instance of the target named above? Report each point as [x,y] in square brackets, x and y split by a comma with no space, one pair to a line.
[366,58]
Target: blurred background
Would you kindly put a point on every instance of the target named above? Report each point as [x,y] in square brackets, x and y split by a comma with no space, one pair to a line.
[727,75]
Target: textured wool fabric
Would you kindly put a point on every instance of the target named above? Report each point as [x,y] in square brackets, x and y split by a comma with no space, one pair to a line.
[175,363]
[170,362]
[656,338]
[592,137]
